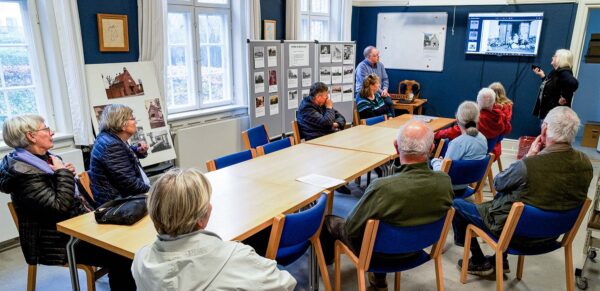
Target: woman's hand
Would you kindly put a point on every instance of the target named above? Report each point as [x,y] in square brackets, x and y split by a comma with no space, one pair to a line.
[539,72]
[71,168]
[57,164]
[562,101]
[142,148]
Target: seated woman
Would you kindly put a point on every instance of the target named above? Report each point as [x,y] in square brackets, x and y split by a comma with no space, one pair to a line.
[115,170]
[506,106]
[368,102]
[185,256]
[44,192]
[470,145]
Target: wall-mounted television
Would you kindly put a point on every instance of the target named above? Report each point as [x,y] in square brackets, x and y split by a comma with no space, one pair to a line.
[505,34]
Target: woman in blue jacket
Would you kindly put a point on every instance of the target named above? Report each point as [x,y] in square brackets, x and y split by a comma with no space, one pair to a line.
[115,170]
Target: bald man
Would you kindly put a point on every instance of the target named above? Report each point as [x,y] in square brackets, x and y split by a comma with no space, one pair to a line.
[414,195]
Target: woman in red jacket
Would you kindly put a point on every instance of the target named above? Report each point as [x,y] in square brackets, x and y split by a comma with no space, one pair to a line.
[506,105]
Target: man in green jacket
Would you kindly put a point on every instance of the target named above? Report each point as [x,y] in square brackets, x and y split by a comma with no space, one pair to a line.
[553,177]
[415,195]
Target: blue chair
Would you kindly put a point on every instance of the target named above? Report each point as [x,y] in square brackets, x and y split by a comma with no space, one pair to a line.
[275,146]
[255,136]
[293,234]
[229,160]
[373,120]
[442,147]
[381,237]
[528,221]
[468,172]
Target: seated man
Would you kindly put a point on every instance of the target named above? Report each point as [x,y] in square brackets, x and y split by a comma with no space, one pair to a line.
[553,177]
[492,121]
[415,195]
[316,116]
[187,257]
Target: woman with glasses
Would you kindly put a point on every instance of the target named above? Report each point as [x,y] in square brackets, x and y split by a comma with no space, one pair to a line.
[44,192]
[115,170]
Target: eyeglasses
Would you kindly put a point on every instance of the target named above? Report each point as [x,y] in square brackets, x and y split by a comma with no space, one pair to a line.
[131,118]
[48,129]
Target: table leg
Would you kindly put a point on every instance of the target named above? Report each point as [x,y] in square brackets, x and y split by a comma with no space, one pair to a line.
[421,110]
[72,263]
[313,278]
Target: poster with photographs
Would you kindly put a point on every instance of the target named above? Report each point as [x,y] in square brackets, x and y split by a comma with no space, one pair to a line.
[325,53]
[348,74]
[274,105]
[306,77]
[272,81]
[259,57]
[260,106]
[133,85]
[325,75]
[347,93]
[259,82]
[305,93]
[348,54]
[292,99]
[336,93]
[292,78]
[336,53]
[336,75]
[271,56]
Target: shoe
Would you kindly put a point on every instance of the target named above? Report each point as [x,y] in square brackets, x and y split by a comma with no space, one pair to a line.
[484,269]
[343,189]
[505,265]
[378,284]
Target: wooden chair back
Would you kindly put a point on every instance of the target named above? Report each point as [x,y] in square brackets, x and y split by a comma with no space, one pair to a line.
[296,132]
[84,179]
[261,135]
[13,213]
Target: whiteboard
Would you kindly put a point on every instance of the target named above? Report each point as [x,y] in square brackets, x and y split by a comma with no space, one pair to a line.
[412,41]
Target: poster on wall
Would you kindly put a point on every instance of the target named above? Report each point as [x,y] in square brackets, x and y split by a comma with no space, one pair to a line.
[336,75]
[348,74]
[298,55]
[133,85]
[348,54]
[271,56]
[306,77]
[274,105]
[336,93]
[259,57]
[336,53]
[347,93]
[259,82]
[292,78]
[292,99]
[325,53]
[260,106]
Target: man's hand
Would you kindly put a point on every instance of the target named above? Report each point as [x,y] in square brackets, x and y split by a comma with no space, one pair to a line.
[142,148]
[536,147]
[336,125]
[385,93]
[562,101]
[329,103]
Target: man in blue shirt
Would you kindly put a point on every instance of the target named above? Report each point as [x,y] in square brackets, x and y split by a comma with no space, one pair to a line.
[372,65]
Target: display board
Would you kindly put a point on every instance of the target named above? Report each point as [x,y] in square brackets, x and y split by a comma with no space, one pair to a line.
[336,68]
[134,85]
[420,45]
[265,86]
[299,66]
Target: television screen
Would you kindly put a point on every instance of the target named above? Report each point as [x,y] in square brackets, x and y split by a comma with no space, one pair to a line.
[504,33]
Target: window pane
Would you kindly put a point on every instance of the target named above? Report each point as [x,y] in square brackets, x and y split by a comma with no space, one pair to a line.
[180,72]
[213,1]
[304,5]
[319,6]
[11,24]
[15,66]
[215,69]
[304,28]
[21,101]
[319,29]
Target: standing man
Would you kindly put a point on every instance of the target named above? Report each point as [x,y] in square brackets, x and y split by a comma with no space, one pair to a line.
[372,65]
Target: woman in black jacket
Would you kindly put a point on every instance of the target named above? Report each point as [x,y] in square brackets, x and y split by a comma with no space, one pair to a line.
[558,86]
[43,191]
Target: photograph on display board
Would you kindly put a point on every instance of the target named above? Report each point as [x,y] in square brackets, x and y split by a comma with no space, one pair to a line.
[98,111]
[260,106]
[272,81]
[274,104]
[259,57]
[122,84]
[306,77]
[325,75]
[347,93]
[159,141]
[336,75]
[431,41]
[348,54]
[292,78]
[336,53]
[138,137]
[271,56]
[292,99]
[348,74]
[259,82]
[305,93]
[336,93]
[325,53]
[155,113]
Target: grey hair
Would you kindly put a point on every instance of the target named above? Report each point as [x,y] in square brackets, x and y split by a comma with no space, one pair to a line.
[467,117]
[486,98]
[564,58]
[15,129]
[368,51]
[419,144]
[562,124]
[178,200]
[114,117]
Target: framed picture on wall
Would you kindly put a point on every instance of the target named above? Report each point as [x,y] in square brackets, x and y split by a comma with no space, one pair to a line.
[269,28]
[112,33]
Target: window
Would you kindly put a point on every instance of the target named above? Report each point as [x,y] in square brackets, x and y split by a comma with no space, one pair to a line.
[315,18]
[21,87]
[199,72]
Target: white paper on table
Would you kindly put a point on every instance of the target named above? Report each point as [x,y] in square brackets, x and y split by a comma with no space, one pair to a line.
[424,118]
[321,181]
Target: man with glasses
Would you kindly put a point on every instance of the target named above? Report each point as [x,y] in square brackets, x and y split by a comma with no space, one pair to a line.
[372,65]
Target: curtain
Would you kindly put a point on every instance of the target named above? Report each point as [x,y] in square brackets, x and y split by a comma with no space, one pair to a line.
[346,29]
[66,16]
[292,19]
[152,30]
[255,23]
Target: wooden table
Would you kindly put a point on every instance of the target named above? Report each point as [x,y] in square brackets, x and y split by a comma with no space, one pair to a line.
[417,103]
[371,139]
[436,123]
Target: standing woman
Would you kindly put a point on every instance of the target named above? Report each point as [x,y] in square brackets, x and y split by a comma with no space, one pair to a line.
[115,170]
[558,86]
[369,102]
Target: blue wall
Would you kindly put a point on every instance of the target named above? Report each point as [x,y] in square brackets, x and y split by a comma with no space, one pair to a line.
[274,10]
[89,30]
[464,75]
[586,102]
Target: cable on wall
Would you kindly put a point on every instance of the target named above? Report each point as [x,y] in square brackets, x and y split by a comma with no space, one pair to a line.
[453,19]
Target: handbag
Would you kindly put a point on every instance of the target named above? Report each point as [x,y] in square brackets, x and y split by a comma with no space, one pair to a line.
[122,211]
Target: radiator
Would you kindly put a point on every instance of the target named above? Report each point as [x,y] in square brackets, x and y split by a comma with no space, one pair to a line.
[196,144]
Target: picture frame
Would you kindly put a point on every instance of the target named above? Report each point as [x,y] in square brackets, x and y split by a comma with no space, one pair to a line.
[269,29]
[113,35]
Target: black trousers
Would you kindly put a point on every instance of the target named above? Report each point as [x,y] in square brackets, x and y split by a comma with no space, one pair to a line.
[119,267]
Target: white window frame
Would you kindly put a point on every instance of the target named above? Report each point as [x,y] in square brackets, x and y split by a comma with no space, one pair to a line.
[309,15]
[195,9]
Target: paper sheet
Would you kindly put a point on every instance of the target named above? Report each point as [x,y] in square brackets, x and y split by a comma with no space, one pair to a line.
[321,181]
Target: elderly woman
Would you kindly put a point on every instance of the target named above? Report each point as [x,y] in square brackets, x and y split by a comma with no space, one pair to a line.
[471,144]
[115,170]
[558,86]
[185,256]
[369,102]
[43,191]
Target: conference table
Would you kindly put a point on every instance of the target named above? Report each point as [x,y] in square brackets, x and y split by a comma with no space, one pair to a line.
[436,123]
